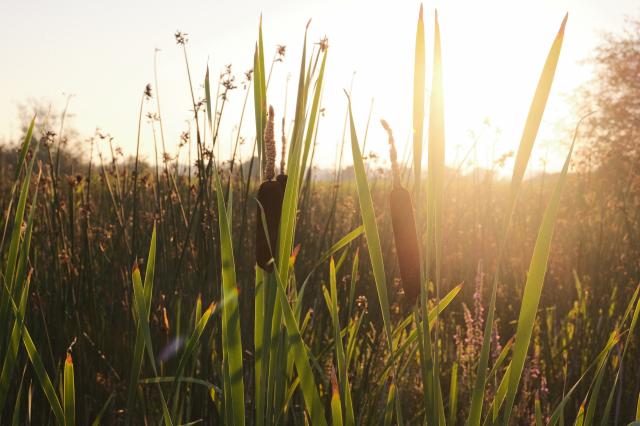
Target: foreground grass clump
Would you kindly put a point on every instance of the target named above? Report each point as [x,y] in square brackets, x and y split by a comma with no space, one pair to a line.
[312,328]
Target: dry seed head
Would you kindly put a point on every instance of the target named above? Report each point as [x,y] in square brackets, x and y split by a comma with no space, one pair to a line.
[395,170]
[270,147]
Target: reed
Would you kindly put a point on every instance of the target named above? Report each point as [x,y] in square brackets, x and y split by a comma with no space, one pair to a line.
[403,223]
[270,196]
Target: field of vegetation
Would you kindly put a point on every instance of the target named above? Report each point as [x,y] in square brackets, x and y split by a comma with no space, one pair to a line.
[409,295]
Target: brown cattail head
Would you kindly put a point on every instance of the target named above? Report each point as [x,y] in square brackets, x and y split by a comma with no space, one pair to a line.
[270,195]
[404,229]
[282,180]
[406,240]
[270,198]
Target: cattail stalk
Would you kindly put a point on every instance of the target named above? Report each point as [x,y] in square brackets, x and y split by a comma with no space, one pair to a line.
[270,196]
[282,177]
[404,228]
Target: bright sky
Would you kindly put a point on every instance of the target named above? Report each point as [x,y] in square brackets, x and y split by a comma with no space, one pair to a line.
[493,52]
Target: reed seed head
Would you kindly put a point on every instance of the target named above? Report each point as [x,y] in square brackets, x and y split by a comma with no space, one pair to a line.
[393,155]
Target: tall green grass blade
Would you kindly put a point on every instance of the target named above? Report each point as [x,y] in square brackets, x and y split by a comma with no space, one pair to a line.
[314,117]
[142,297]
[373,239]
[287,399]
[635,299]
[9,273]
[343,242]
[413,335]
[22,290]
[343,378]
[388,409]
[136,367]
[529,134]
[535,112]
[69,394]
[231,341]
[25,148]
[11,354]
[21,160]
[555,416]
[370,230]
[435,197]
[259,96]
[43,377]
[258,341]
[418,106]
[533,287]
[15,418]
[301,358]
[189,349]
[453,395]
[595,390]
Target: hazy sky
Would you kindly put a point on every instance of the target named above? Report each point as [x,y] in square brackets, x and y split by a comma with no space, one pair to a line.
[493,52]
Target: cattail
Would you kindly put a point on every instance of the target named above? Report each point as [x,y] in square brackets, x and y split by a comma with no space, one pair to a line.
[270,197]
[404,228]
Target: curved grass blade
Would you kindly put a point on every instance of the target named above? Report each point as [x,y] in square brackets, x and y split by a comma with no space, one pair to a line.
[11,355]
[190,347]
[25,147]
[634,320]
[343,378]
[453,395]
[370,229]
[301,358]
[43,377]
[21,289]
[522,159]
[343,242]
[388,409]
[142,297]
[418,106]
[533,287]
[555,416]
[373,240]
[231,341]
